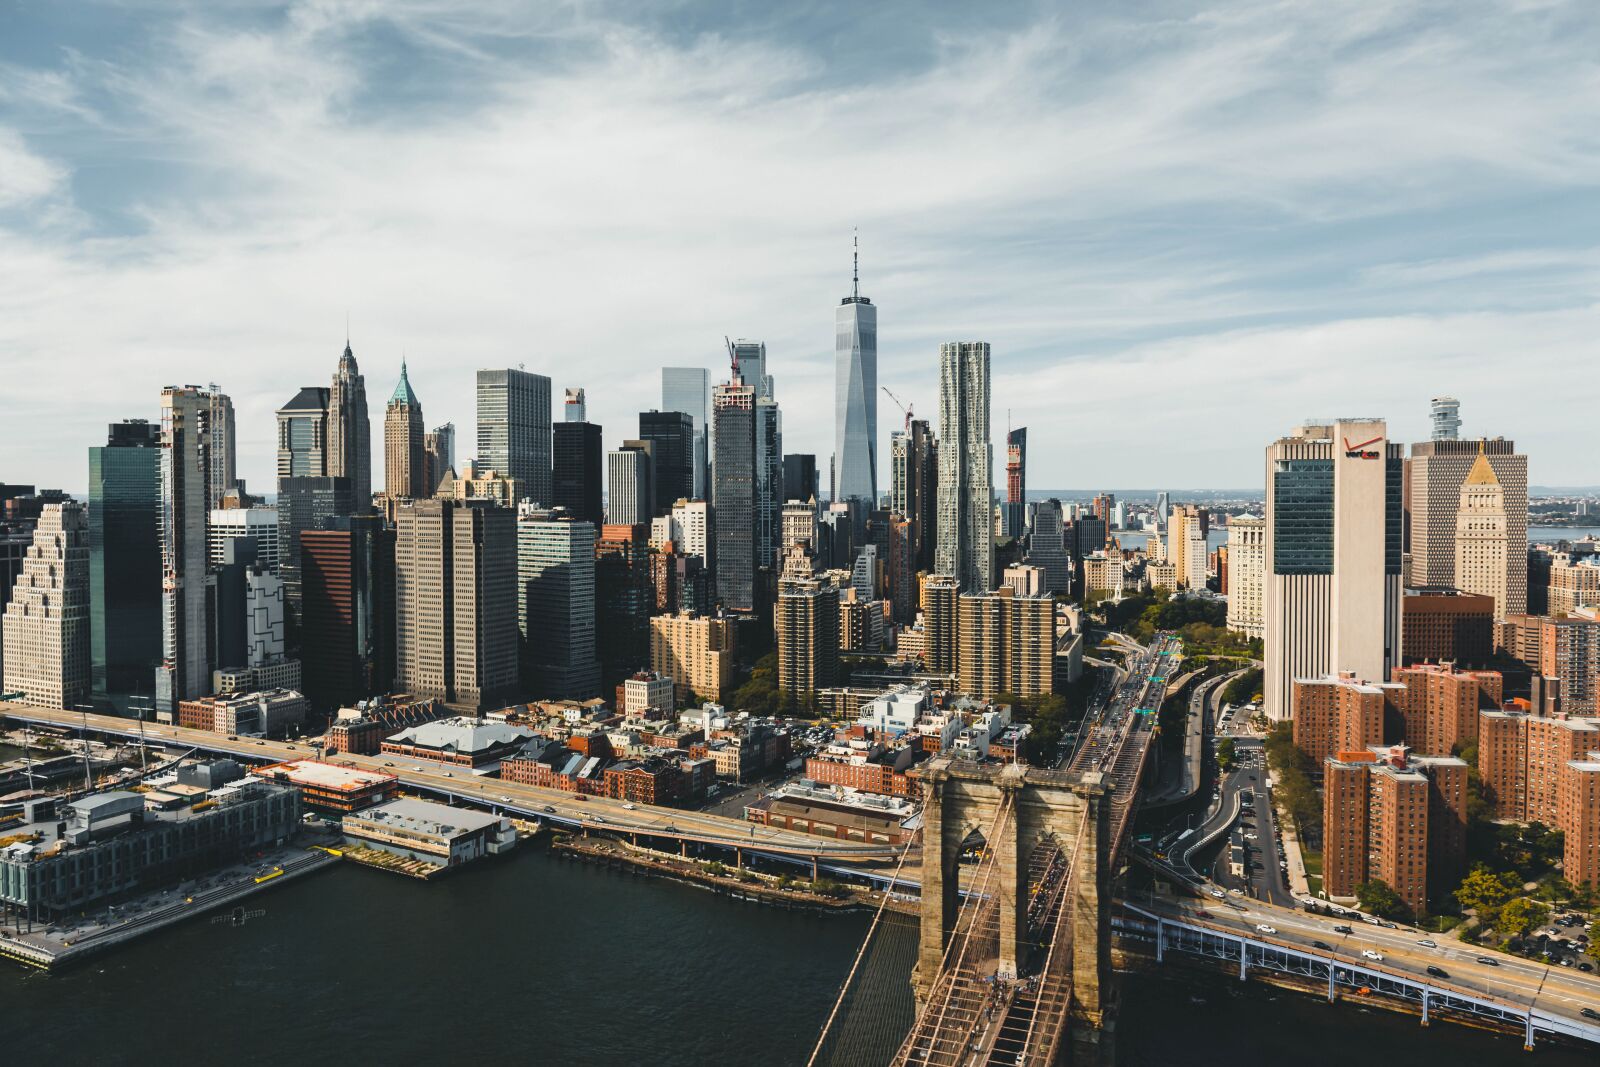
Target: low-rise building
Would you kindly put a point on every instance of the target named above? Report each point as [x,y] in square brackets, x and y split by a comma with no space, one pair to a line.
[267,714]
[330,787]
[836,814]
[363,728]
[433,833]
[462,742]
[646,691]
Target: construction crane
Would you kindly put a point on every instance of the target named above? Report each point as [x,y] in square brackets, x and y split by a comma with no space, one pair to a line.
[903,407]
[733,356]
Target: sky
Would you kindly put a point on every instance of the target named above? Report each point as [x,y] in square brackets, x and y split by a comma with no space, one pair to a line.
[1184,228]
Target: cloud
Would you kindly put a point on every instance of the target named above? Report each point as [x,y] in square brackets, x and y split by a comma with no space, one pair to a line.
[1174,227]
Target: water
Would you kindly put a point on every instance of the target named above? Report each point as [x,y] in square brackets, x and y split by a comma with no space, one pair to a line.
[537,960]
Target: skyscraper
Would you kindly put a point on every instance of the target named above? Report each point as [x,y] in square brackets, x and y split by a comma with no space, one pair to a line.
[1246,573]
[769,482]
[799,476]
[303,450]
[671,435]
[1015,513]
[196,455]
[733,494]
[304,503]
[624,597]
[403,468]
[514,428]
[914,487]
[686,389]
[1047,546]
[1483,543]
[1333,556]
[438,457]
[1446,416]
[576,409]
[347,619]
[349,434]
[965,546]
[46,624]
[855,394]
[577,477]
[556,604]
[455,610]
[1439,471]
[807,623]
[125,563]
[630,480]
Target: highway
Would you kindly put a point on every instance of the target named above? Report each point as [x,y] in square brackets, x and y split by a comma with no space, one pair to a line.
[597,813]
[1554,990]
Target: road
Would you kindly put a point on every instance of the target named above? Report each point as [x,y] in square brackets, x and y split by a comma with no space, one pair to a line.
[1554,990]
[532,801]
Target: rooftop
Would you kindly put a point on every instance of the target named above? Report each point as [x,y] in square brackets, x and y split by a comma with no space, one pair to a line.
[426,817]
[321,775]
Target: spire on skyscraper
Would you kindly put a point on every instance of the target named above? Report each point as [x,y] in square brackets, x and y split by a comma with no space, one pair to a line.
[855,265]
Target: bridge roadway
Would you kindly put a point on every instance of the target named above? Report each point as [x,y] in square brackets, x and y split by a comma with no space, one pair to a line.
[1553,992]
[534,802]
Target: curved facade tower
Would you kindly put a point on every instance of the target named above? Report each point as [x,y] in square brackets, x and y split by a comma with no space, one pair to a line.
[855,365]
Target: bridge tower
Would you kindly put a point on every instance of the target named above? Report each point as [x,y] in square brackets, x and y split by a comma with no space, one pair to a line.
[1073,809]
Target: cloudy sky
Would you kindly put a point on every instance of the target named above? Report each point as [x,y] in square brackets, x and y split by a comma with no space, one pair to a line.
[1182,226]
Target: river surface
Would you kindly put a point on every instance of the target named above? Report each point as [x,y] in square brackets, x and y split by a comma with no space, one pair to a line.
[540,960]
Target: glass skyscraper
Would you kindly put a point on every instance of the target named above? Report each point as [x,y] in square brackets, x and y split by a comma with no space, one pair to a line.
[733,497]
[514,429]
[855,366]
[688,389]
[125,563]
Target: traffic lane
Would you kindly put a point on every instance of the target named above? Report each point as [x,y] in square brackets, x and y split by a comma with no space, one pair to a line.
[1400,948]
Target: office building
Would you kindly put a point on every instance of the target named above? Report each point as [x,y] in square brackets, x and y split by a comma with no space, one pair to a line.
[1397,817]
[624,596]
[855,396]
[691,520]
[124,564]
[1483,549]
[196,455]
[249,611]
[303,435]
[45,641]
[1439,470]
[696,651]
[455,610]
[272,713]
[556,604]
[671,438]
[900,570]
[1187,527]
[807,620]
[1006,644]
[688,389]
[347,620]
[404,469]
[1333,547]
[733,494]
[800,524]
[576,407]
[800,476]
[1047,546]
[349,453]
[305,503]
[577,476]
[769,484]
[630,484]
[1446,417]
[965,539]
[260,523]
[1443,624]
[438,457]
[914,486]
[1014,512]
[1246,570]
[480,483]
[514,428]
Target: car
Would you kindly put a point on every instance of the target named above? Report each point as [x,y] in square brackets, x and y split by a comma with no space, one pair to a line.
[386,764]
[1427,943]
[599,818]
[669,828]
[550,809]
[506,800]
[1438,972]
[1372,954]
[1235,893]
[1343,930]
[260,742]
[1387,925]
[629,807]
[1323,945]
[1589,1013]
[1264,928]
[1218,893]
[1488,961]
[1585,965]
[447,774]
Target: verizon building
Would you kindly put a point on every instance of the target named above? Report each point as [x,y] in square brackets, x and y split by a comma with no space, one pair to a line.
[1334,528]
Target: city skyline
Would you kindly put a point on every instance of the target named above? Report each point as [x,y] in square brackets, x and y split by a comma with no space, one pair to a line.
[237,220]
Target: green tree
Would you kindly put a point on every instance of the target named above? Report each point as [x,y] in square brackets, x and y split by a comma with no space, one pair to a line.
[1244,688]
[1592,950]
[1378,897]
[1522,915]
[1484,891]
[1225,755]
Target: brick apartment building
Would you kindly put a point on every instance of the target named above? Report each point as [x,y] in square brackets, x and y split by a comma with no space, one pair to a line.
[1543,768]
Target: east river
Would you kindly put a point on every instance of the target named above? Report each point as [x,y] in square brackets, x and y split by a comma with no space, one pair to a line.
[539,960]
